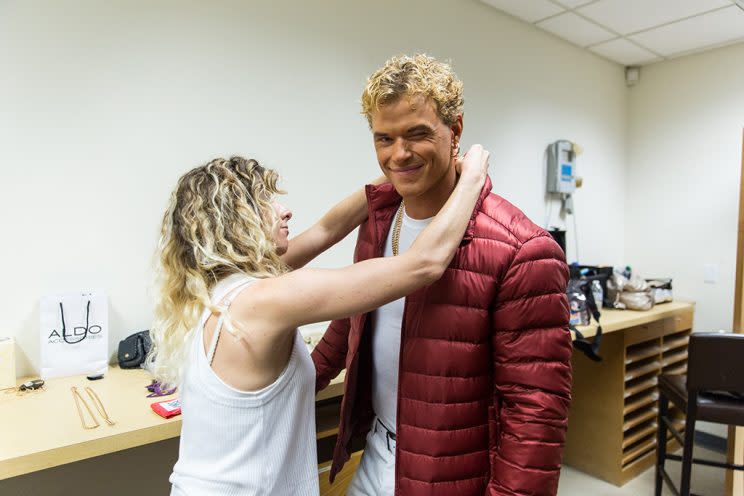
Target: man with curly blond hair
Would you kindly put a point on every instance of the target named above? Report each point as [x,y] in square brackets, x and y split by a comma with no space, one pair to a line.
[462,387]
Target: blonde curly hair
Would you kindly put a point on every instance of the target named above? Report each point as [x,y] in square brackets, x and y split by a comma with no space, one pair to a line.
[219,222]
[419,74]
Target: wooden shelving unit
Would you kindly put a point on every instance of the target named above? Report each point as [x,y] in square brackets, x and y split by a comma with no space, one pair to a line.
[326,419]
[327,414]
[343,478]
[612,423]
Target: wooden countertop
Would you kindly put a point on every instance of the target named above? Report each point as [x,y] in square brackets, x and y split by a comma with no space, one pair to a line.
[617,320]
[41,429]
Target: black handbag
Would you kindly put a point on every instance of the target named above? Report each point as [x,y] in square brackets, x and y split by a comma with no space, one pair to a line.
[134,349]
[589,348]
[590,273]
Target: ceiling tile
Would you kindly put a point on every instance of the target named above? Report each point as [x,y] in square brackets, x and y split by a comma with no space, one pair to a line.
[575,29]
[624,52]
[630,16]
[572,4]
[527,10]
[695,33]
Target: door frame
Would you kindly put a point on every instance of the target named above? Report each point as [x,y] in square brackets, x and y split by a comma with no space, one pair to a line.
[735,478]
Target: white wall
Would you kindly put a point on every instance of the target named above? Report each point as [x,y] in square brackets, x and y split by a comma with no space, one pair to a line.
[685,139]
[104,104]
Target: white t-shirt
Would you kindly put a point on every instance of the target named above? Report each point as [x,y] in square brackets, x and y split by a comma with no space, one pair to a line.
[386,323]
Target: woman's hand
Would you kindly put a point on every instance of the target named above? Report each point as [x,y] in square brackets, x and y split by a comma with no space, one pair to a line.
[473,166]
[338,222]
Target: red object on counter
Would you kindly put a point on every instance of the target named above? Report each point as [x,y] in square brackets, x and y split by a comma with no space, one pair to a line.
[167,409]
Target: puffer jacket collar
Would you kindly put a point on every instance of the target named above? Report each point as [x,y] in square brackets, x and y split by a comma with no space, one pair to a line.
[383,197]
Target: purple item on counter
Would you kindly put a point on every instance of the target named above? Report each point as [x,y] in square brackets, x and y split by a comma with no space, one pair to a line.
[156,389]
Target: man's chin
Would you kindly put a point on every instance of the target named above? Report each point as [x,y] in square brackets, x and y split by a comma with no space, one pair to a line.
[408,190]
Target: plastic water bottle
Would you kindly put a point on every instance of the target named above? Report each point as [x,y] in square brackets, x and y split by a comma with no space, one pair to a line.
[598,293]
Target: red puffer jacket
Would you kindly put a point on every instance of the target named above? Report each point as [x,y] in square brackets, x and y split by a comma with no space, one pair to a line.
[485,375]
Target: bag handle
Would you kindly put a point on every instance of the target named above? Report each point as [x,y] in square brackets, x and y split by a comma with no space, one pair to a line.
[589,348]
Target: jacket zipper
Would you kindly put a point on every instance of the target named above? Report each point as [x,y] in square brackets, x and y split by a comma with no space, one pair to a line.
[381,252]
[397,401]
[397,395]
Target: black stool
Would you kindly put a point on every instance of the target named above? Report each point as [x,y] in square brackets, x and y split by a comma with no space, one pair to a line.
[712,391]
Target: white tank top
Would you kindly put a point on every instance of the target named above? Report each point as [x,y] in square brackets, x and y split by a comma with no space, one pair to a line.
[245,443]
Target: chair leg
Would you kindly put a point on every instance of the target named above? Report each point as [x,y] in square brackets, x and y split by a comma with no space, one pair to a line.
[661,443]
[684,488]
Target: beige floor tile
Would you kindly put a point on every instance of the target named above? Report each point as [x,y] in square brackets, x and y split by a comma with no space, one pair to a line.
[707,481]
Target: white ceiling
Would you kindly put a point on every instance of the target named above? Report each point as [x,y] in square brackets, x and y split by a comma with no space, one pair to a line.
[635,32]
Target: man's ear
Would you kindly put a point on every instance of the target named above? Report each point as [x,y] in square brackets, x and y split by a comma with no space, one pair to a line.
[456,130]
[456,127]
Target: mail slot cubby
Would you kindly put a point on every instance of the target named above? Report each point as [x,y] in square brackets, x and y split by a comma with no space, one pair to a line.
[612,432]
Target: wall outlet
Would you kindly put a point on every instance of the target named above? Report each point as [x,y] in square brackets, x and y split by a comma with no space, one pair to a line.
[711,273]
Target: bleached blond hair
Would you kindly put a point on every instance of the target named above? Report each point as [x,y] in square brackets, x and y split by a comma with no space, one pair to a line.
[409,76]
[219,222]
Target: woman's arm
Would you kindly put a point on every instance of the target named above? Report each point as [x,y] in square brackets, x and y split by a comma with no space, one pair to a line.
[334,226]
[282,303]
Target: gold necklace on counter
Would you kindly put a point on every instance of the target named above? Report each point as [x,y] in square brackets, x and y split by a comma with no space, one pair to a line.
[99,405]
[78,399]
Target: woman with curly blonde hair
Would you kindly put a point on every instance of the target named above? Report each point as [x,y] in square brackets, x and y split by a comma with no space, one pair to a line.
[226,264]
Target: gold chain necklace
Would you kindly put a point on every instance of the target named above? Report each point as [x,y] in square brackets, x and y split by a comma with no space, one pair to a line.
[96,402]
[396,228]
[99,405]
[78,398]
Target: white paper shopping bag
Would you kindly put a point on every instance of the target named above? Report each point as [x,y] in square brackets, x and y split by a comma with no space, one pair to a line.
[74,334]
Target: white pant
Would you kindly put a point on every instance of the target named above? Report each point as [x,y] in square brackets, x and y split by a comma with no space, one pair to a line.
[375,475]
